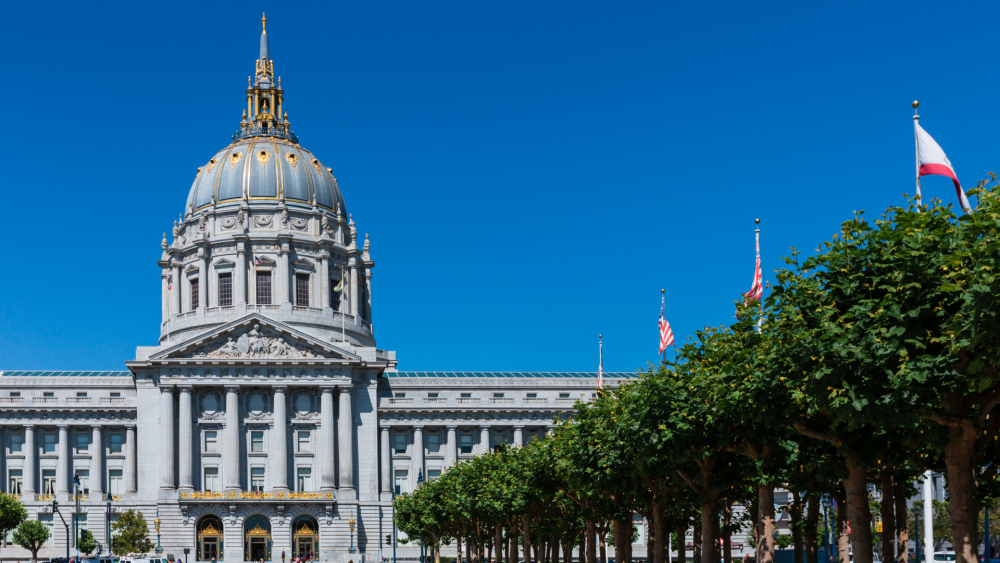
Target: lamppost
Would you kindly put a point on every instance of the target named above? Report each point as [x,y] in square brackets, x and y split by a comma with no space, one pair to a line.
[76,514]
[107,525]
[420,483]
[394,539]
[826,525]
[916,534]
[351,523]
[156,524]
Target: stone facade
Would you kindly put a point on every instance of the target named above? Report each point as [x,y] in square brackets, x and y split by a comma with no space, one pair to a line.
[265,421]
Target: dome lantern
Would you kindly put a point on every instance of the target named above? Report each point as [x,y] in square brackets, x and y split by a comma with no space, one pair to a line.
[265,99]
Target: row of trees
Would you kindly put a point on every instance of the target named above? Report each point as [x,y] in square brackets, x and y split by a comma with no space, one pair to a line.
[130,530]
[870,361]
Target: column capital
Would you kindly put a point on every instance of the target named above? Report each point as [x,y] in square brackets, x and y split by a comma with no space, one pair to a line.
[97,426]
[326,389]
[29,426]
[518,427]
[484,426]
[451,427]
[129,427]
[418,426]
[280,388]
[62,426]
[232,388]
[167,389]
[186,388]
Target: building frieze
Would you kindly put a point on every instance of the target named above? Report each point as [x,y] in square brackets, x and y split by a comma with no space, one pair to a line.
[22,418]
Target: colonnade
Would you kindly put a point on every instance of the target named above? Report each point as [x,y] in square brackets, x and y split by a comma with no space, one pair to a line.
[31,473]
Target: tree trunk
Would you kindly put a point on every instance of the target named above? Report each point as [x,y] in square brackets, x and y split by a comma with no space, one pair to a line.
[681,555]
[959,457]
[458,544]
[567,545]
[508,542]
[489,551]
[591,542]
[858,513]
[555,549]
[795,511]
[902,523]
[618,533]
[656,528]
[727,535]
[765,523]
[809,531]
[468,551]
[888,519]
[602,542]
[709,539]
[843,542]
[498,541]
[696,540]
[527,540]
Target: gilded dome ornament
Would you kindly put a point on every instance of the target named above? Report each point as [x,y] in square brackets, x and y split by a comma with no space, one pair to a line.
[262,157]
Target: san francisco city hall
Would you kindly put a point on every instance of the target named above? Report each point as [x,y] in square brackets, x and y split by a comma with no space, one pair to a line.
[266,419]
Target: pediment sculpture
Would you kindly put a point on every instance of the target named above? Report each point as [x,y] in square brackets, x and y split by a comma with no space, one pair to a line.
[255,343]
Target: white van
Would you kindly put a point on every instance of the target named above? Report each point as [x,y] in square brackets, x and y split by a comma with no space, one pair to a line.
[99,559]
[144,559]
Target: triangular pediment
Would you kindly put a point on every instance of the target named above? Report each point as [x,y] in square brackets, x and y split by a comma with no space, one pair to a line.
[254,337]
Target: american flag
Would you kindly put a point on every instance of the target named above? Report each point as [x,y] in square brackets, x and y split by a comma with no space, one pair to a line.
[757,290]
[600,365]
[666,335]
[258,260]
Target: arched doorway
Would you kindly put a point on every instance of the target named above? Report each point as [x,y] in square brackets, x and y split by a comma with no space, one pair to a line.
[256,538]
[209,538]
[305,537]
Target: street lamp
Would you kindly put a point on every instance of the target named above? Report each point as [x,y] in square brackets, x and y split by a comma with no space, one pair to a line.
[916,534]
[351,523]
[156,524]
[107,525]
[76,514]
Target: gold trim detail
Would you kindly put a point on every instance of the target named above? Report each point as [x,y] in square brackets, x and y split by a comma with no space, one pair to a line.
[292,159]
[305,530]
[211,164]
[210,531]
[262,157]
[234,159]
[315,164]
[258,532]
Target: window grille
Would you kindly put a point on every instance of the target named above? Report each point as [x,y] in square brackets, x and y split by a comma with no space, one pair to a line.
[194,294]
[302,290]
[263,288]
[225,290]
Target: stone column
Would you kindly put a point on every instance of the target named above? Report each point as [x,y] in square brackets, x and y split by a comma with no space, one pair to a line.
[185,448]
[386,461]
[368,295]
[354,286]
[175,291]
[166,453]
[279,454]
[202,278]
[30,454]
[231,462]
[165,295]
[518,436]
[96,462]
[418,453]
[452,447]
[284,295]
[240,275]
[346,444]
[327,439]
[131,483]
[324,279]
[62,467]
[484,439]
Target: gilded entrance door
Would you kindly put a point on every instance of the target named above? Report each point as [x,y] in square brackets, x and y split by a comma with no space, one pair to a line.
[305,537]
[257,538]
[209,544]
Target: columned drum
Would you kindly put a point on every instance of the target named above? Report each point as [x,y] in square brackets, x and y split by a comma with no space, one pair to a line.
[209,538]
[305,537]
[257,538]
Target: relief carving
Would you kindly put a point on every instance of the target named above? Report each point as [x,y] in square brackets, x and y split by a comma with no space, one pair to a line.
[254,344]
[263,220]
[299,224]
[228,223]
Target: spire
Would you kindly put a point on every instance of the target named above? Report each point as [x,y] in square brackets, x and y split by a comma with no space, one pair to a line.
[263,38]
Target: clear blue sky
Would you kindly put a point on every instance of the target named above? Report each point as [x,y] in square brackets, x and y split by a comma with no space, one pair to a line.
[531,173]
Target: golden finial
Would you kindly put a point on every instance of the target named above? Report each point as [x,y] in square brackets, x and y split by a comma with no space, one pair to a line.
[916,104]
[263,21]
[663,291]
[757,221]
[600,336]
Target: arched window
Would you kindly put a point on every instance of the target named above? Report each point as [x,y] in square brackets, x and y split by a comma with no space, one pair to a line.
[209,538]
[305,537]
[256,538]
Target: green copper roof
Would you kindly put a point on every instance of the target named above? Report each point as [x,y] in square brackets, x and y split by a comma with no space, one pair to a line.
[528,374]
[65,374]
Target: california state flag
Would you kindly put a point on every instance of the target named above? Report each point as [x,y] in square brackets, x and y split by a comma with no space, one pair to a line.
[933,162]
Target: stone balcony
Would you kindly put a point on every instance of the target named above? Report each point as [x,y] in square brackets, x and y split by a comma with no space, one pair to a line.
[333,323]
[476,403]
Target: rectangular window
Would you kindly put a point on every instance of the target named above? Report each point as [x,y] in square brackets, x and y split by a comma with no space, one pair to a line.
[194,293]
[82,442]
[304,446]
[400,395]
[115,442]
[433,474]
[334,295]
[115,482]
[304,475]
[498,395]
[302,290]
[16,481]
[257,441]
[432,395]
[212,480]
[257,479]
[466,395]
[84,475]
[46,520]
[402,482]
[532,395]
[48,394]
[263,288]
[48,443]
[400,443]
[81,395]
[16,442]
[564,395]
[15,393]
[49,481]
[433,443]
[81,520]
[465,445]
[211,441]
[225,290]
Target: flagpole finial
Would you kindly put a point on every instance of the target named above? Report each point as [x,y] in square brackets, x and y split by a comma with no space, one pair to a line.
[916,104]
[757,221]
[600,336]
[663,291]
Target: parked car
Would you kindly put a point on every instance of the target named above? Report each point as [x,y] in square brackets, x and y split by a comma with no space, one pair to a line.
[144,559]
[944,556]
[99,559]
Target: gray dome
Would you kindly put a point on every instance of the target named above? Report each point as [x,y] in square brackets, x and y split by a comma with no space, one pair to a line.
[265,169]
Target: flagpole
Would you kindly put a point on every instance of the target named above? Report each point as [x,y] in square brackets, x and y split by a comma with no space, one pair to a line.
[662,304]
[760,302]
[916,147]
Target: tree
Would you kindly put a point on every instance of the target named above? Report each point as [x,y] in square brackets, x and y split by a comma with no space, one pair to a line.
[87,544]
[131,533]
[12,513]
[31,535]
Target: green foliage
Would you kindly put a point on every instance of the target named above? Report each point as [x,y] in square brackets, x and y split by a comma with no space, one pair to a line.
[131,533]
[31,535]
[87,544]
[783,541]
[12,513]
